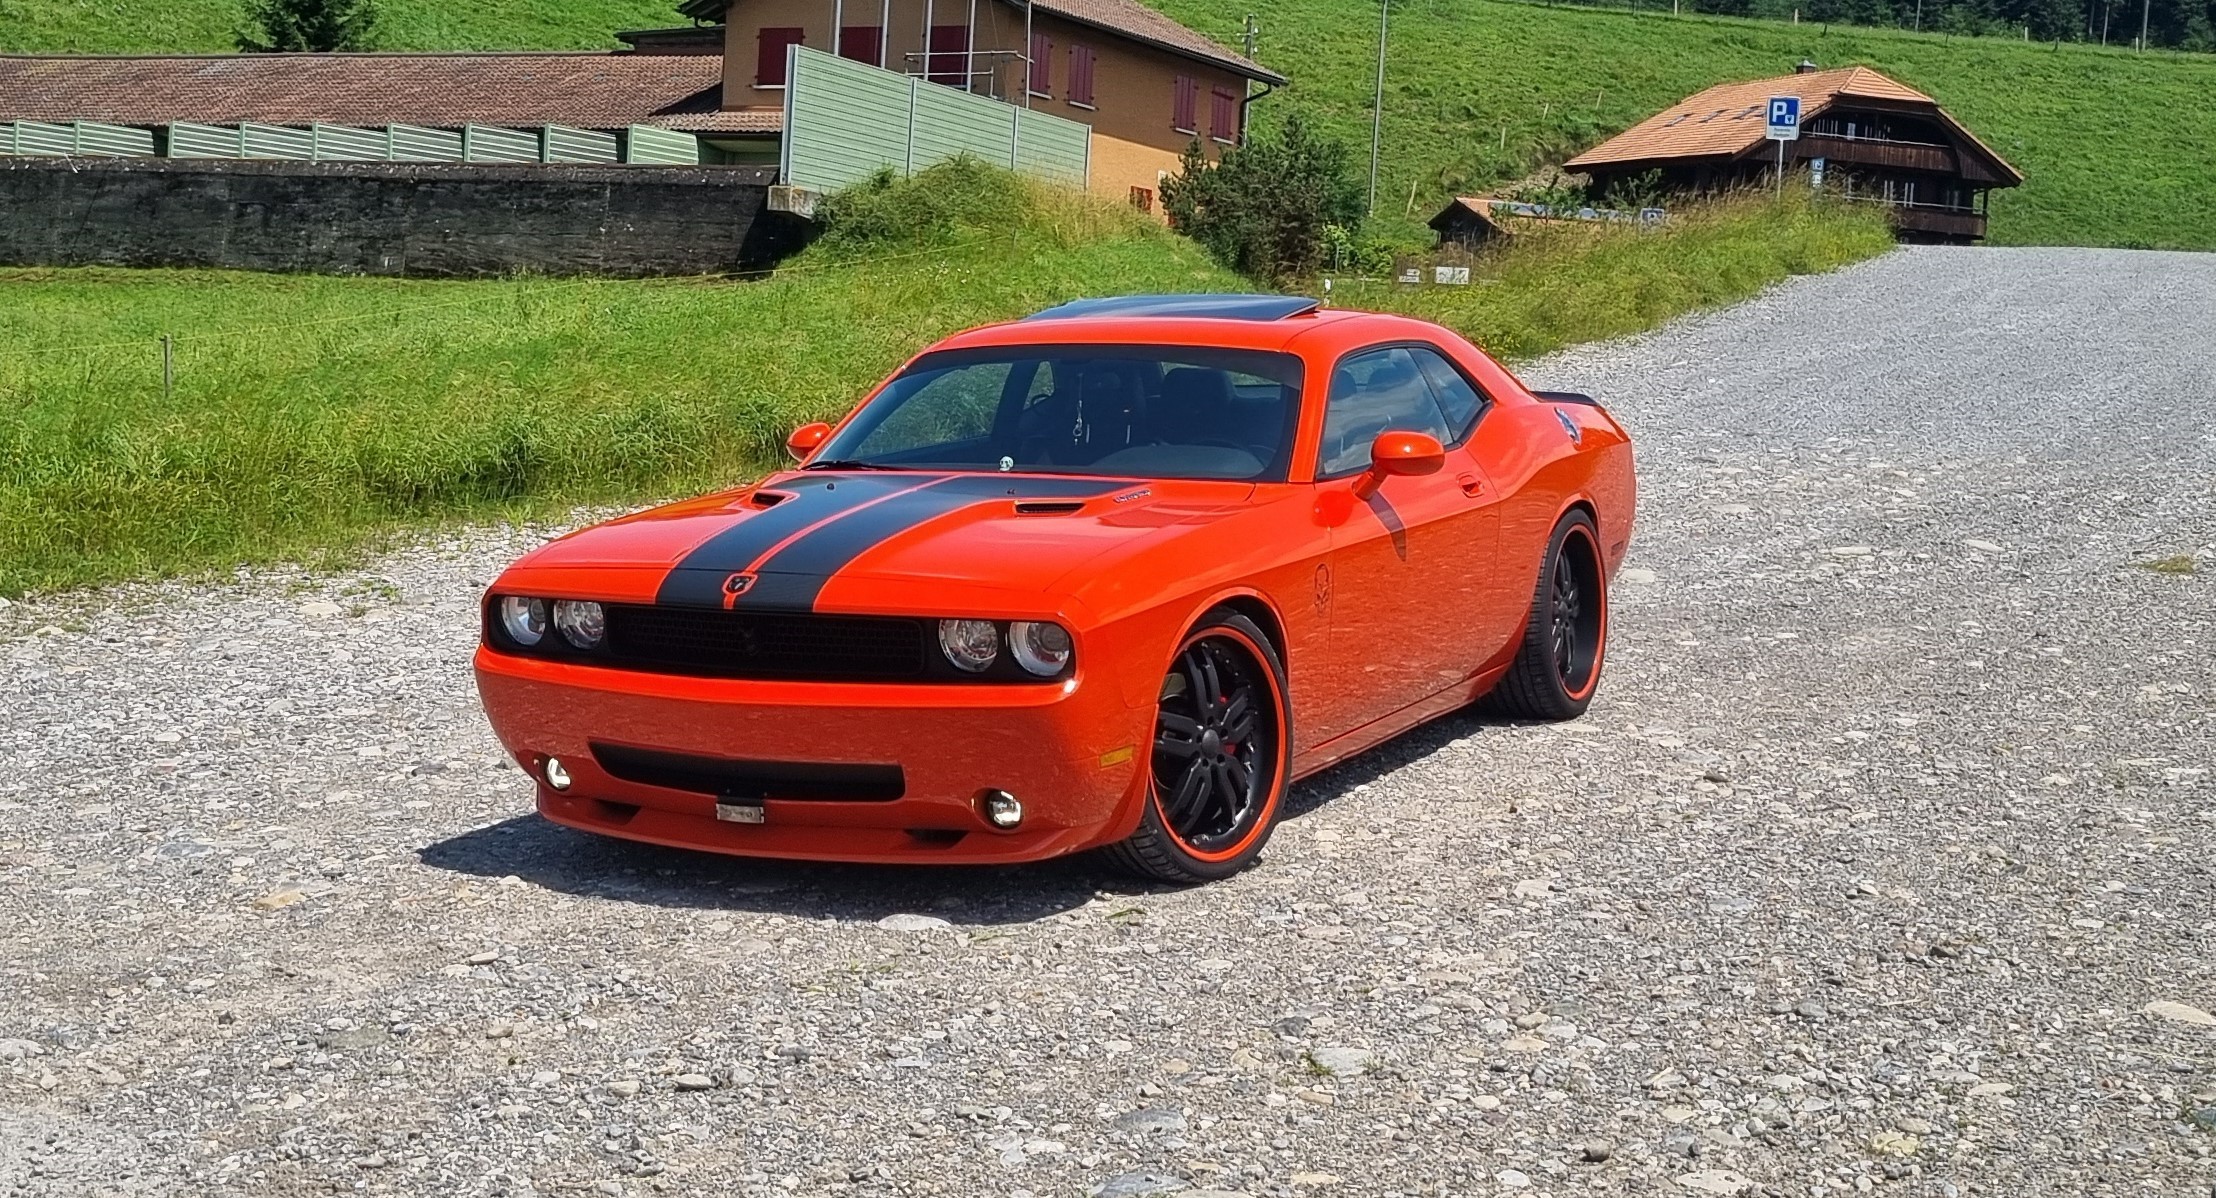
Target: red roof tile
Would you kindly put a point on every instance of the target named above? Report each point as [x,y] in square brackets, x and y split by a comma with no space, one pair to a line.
[592,91]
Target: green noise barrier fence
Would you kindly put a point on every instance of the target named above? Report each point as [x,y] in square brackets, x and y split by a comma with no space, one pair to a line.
[642,145]
[846,121]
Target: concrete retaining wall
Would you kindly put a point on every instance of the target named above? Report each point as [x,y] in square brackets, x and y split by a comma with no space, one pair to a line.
[391,218]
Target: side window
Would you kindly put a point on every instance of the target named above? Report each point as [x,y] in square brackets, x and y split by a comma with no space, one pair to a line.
[1457,398]
[1371,393]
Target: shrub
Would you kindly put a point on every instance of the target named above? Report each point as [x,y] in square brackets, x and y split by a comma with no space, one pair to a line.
[1267,209]
[310,25]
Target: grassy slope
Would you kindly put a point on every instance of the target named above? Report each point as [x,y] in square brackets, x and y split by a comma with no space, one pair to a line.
[2119,148]
[315,412]
[197,26]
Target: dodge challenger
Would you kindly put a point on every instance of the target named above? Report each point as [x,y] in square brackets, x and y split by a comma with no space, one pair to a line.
[1113,577]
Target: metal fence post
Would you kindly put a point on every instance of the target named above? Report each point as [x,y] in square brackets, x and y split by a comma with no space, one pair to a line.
[908,167]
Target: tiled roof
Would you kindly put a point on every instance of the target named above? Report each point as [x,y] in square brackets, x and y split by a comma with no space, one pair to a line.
[1126,17]
[1732,118]
[745,120]
[1137,21]
[591,91]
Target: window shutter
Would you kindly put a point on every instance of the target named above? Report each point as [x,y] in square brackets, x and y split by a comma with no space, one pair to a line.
[769,68]
[1185,100]
[947,58]
[1224,120]
[859,43]
[1042,65]
[1081,75]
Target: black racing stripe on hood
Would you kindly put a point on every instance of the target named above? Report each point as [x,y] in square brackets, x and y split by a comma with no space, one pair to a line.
[697,580]
[794,575]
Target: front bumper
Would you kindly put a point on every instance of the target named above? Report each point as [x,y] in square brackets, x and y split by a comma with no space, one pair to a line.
[1071,753]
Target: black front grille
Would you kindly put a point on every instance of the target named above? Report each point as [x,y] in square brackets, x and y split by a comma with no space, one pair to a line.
[729,644]
[733,778]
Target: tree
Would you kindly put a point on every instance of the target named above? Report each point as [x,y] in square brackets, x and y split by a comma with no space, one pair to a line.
[307,25]
[1268,208]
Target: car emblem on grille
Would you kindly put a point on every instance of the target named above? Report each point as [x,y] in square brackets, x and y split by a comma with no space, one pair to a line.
[735,586]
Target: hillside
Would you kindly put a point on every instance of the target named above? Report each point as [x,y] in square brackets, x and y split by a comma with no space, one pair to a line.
[200,26]
[2120,147]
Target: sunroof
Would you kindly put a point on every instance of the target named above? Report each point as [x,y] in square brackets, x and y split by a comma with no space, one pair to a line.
[1193,307]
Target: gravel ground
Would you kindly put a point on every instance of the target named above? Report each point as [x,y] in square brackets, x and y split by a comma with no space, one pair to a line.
[1883,863]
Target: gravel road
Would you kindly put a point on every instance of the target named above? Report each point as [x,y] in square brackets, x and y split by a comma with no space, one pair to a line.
[1886,861]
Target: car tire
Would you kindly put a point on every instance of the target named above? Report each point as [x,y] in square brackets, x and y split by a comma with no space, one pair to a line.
[1557,665]
[1217,771]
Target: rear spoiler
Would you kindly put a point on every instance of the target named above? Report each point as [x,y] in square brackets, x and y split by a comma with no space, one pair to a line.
[1575,397]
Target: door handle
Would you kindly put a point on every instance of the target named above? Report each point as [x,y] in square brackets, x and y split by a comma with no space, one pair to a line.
[1472,485]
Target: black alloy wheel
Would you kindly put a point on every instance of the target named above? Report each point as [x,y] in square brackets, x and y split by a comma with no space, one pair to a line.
[1217,768]
[1210,750]
[1558,664]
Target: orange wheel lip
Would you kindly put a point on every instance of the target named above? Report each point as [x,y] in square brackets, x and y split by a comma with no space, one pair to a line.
[1600,650]
[1277,781]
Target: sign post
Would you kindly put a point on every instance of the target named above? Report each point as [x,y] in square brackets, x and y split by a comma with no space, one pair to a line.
[1784,127]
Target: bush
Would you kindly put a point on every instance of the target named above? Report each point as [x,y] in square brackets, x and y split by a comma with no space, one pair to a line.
[292,26]
[1267,210]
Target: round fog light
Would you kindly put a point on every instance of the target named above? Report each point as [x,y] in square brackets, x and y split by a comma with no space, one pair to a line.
[1001,809]
[557,774]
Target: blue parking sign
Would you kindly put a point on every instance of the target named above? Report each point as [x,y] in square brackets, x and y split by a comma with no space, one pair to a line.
[1784,118]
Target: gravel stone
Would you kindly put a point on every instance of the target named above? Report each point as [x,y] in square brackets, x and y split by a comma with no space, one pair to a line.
[1958,795]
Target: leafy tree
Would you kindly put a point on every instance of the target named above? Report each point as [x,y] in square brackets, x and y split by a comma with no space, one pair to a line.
[307,25]
[1268,208]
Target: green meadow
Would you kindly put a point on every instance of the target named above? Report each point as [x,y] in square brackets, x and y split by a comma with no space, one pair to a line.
[310,415]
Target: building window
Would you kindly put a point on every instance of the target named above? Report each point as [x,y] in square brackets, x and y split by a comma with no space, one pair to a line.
[1042,65]
[1185,105]
[949,55]
[1142,198]
[769,68]
[1223,116]
[860,43]
[1081,76]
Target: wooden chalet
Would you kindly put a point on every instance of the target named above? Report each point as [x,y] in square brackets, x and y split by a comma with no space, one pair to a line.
[1863,136]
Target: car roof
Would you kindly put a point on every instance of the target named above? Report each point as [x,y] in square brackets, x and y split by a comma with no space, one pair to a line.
[1323,330]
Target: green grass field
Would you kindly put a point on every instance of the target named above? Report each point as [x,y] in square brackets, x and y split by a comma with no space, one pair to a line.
[310,414]
[201,26]
[2120,148]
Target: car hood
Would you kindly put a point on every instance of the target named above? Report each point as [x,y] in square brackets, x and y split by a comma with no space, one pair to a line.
[923,544]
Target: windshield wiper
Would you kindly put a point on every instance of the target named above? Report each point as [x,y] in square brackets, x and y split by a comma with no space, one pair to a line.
[847,464]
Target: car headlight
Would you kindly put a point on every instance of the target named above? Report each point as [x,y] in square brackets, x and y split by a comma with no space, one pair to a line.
[524,620]
[584,624]
[972,645]
[1039,647]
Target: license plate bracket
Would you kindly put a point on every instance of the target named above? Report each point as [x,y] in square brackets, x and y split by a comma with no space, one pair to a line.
[732,809]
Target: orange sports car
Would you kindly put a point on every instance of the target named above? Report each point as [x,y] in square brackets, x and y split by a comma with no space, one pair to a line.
[1109,577]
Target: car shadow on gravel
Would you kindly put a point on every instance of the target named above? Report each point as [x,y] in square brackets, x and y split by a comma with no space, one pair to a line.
[542,853]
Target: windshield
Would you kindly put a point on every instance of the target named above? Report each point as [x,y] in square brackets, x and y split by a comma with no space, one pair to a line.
[1136,411]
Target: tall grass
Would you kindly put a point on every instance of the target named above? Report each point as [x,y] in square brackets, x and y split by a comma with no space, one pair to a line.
[315,413]
[1559,285]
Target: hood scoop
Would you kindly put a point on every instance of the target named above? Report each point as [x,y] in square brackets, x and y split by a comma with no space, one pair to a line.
[767,498]
[1048,507]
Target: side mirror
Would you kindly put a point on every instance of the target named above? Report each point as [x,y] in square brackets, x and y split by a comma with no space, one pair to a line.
[805,439]
[1399,453]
